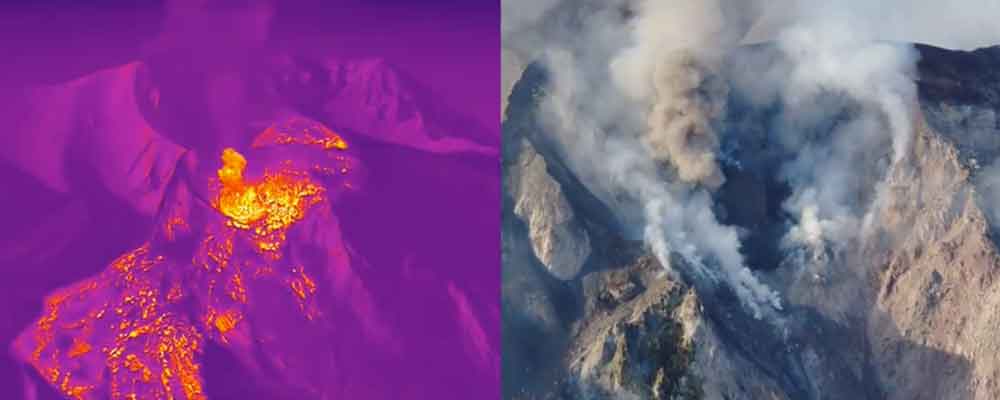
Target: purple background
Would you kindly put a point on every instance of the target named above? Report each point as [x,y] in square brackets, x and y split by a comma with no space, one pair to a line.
[449,45]
[424,222]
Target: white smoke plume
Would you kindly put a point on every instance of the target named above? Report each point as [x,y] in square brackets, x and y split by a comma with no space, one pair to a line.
[688,99]
[673,66]
[955,24]
[840,73]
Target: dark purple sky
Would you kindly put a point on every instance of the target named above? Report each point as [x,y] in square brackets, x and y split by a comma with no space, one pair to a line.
[450,46]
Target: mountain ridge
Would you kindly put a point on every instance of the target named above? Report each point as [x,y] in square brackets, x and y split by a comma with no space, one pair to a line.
[846,327]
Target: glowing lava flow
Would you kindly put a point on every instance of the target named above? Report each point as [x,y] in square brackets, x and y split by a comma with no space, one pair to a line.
[137,329]
[266,208]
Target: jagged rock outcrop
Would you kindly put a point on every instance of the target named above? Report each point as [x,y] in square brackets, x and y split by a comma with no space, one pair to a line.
[647,337]
[638,347]
[938,286]
[511,66]
[557,238]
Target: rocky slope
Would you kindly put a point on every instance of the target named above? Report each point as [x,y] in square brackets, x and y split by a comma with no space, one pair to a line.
[376,99]
[86,162]
[908,312]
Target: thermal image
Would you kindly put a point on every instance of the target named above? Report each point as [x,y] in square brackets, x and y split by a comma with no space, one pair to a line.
[260,200]
[137,329]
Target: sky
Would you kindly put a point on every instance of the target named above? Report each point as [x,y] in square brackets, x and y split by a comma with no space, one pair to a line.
[450,46]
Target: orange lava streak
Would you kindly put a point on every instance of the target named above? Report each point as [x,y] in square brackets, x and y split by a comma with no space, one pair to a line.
[236,290]
[76,392]
[226,321]
[301,131]
[78,348]
[304,287]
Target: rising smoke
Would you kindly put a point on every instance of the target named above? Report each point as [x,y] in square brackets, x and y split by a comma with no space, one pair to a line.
[672,66]
[841,74]
[687,100]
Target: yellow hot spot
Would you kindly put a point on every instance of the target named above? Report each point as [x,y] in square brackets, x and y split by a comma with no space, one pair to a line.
[308,282]
[187,370]
[303,132]
[237,291]
[302,285]
[285,198]
[128,261]
[267,207]
[226,321]
[298,289]
[328,142]
[233,166]
[216,250]
[165,375]
[132,363]
[115,352]
[264,245]
[75,392]
[78,348]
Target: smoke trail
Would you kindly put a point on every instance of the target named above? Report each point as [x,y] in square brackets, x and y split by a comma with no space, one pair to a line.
[841,76]
[678,219]
[673,68]
[688,99]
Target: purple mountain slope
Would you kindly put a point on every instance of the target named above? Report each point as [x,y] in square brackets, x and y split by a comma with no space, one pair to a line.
[375,99]
[405,272]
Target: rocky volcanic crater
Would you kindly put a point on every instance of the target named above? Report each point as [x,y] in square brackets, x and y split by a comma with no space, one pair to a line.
[909,312]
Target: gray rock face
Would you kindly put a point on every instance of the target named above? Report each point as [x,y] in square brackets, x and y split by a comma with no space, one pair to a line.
[511,66]
[648,337]
[937,302]
[638,348]
[920,296]
[557,238]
